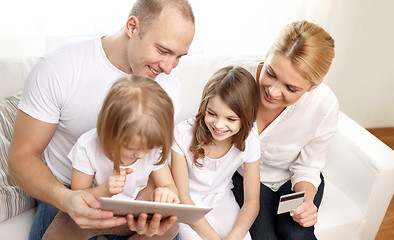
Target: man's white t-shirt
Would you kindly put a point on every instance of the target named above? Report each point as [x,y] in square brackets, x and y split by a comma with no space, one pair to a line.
[215,176]
[87,157]
[67,87]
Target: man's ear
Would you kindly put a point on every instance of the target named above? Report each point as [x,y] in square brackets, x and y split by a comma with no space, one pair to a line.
[132,25]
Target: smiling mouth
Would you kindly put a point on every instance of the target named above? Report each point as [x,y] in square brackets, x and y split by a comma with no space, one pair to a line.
[269,98]
[153,70]
[219,131]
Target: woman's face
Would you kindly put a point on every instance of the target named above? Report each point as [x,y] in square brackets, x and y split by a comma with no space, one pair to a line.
[280,84]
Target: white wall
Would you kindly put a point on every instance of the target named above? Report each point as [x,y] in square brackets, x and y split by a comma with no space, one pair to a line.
[362,74]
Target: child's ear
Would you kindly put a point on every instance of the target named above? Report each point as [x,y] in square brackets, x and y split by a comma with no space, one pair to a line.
[132,25]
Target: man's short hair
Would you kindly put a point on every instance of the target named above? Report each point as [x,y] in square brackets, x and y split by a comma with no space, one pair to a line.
[148,10]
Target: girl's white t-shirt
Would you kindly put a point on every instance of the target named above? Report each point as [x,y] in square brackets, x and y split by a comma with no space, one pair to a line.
[87,157]
[215,175]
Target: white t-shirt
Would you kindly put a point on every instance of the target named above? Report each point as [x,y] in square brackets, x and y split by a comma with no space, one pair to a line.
[294,146]
[67,87]
[87,157]
[215,174]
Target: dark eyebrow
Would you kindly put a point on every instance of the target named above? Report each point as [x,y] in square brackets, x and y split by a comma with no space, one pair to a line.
[169,50]
[209,109]
[295,87]
[272,72]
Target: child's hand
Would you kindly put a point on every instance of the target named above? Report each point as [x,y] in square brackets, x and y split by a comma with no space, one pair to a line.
[116,181]
[164,194]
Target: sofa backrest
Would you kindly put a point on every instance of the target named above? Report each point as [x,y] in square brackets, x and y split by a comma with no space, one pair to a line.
[193,72]
[13,72]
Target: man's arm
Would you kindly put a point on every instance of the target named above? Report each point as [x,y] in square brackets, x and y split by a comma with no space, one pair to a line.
[30,138]
[29,141]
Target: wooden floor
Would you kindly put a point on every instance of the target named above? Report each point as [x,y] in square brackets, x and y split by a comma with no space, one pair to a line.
[386,230]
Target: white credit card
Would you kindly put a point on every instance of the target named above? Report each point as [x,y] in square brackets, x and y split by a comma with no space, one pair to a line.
[291,201]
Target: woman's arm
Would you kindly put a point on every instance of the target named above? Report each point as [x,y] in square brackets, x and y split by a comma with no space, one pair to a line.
[181,177]
[306,213]
[251,206]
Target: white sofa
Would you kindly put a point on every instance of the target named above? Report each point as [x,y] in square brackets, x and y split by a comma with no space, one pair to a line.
[359,172]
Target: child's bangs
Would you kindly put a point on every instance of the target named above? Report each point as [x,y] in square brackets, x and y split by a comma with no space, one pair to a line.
[143,134]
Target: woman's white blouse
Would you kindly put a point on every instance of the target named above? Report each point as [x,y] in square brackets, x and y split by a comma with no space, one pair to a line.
[294,146]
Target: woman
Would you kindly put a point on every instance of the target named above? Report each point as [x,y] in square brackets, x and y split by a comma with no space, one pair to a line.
[296,119]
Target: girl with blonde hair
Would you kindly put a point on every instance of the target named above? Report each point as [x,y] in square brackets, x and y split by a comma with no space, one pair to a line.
[132,141]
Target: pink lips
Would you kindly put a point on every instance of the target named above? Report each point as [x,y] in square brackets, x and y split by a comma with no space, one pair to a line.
[269,99]
[218,133]
[153,71]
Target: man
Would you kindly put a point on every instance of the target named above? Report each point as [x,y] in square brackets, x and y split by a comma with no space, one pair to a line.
[63,94]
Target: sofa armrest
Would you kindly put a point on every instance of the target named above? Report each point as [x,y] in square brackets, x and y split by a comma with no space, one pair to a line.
[362,167]
[18,227]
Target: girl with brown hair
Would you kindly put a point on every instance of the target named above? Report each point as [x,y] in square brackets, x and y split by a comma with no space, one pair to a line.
[208,150]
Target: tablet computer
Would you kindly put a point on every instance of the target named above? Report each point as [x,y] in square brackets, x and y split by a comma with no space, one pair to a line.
[186,213]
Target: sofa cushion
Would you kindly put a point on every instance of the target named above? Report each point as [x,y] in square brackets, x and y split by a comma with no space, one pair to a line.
[13,200]
[13,74]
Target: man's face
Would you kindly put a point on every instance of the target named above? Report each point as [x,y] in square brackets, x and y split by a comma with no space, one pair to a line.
[161,46]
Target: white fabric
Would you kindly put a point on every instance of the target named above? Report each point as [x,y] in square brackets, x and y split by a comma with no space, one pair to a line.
[13,73]
[67,87]
[215,175]
[211,184]
[340,215]
[294,146]
[221,217]
[87,157]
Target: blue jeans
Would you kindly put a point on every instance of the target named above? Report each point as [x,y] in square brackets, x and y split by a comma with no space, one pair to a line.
[42,219]
[44,216]
[113,237]
[268,224]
